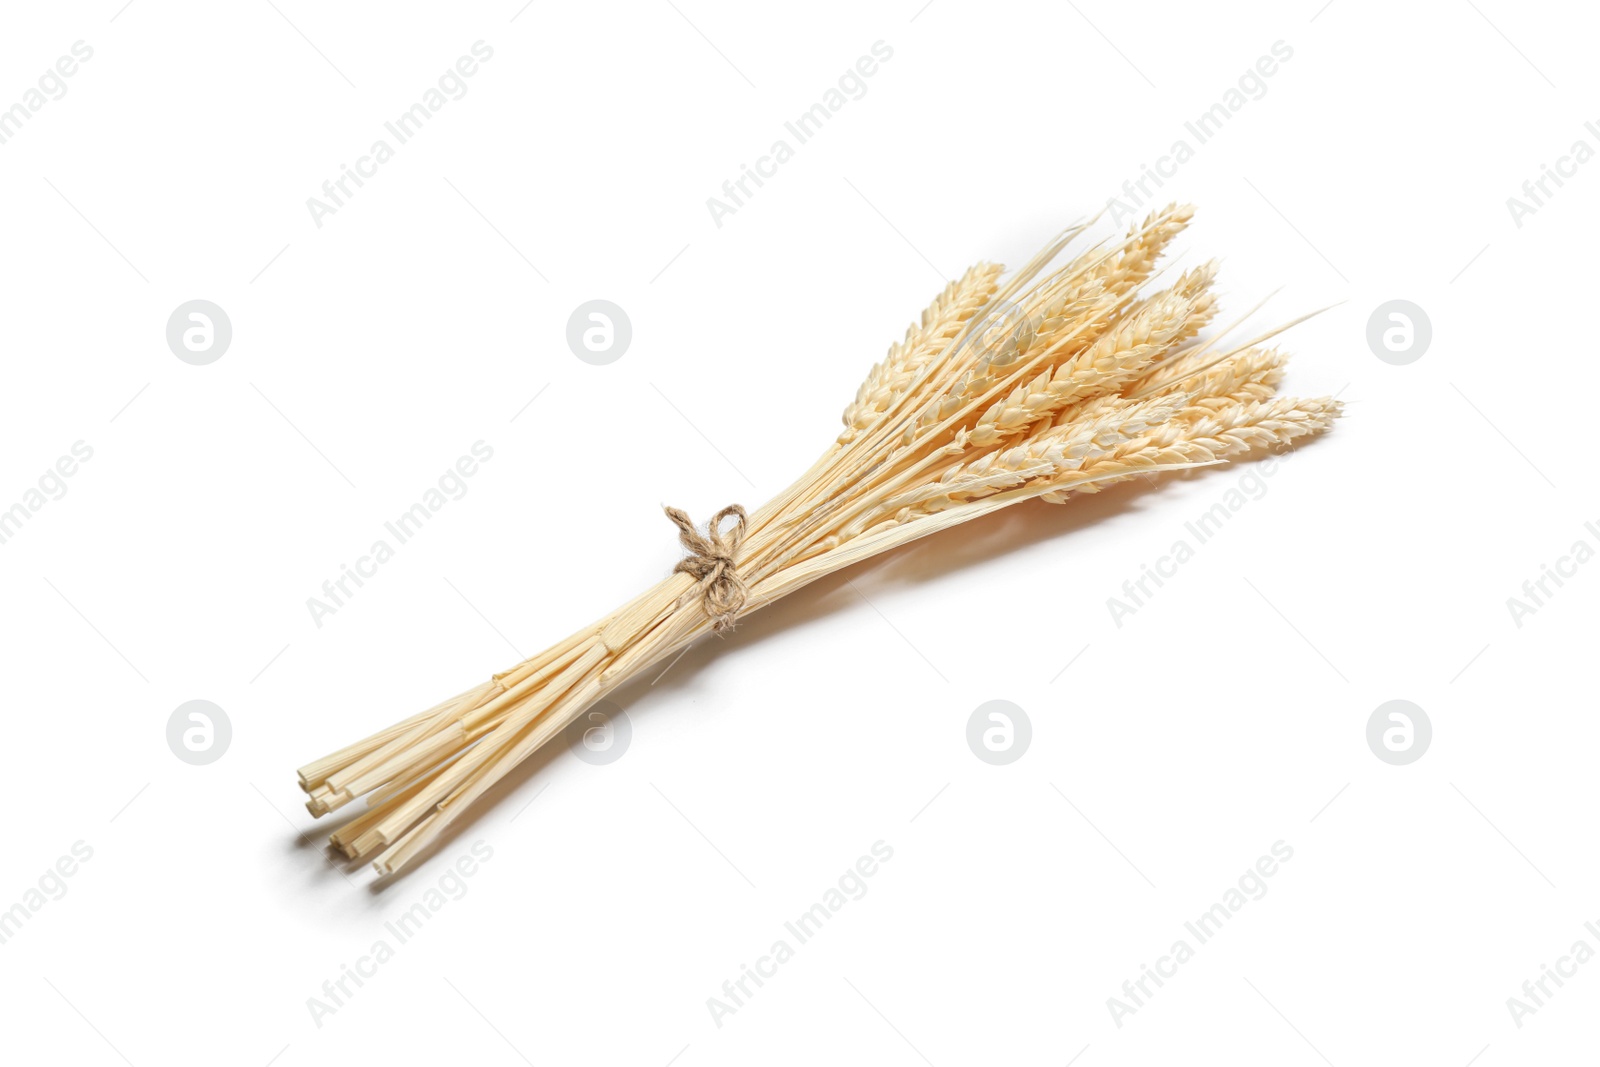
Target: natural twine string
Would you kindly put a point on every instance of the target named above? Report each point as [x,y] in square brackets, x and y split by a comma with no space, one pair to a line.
[710,562]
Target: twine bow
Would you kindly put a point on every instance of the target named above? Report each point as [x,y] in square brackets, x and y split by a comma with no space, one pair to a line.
[710,562]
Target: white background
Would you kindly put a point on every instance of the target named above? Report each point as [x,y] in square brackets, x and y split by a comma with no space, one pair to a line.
[369,353]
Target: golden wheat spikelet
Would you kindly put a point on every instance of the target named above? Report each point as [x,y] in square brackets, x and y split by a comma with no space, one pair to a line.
[924,341]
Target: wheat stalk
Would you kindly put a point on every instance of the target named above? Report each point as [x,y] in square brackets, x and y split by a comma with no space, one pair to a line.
[1044,385]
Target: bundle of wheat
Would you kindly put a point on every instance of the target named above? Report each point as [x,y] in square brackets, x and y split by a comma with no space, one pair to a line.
[1053,382]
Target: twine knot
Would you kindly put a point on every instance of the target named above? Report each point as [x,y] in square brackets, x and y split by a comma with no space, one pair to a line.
[710,562]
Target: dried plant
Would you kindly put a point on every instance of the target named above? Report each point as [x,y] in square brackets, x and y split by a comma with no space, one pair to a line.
[1055,382]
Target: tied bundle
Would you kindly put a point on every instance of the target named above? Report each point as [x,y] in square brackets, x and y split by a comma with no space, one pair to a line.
[1054,382]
